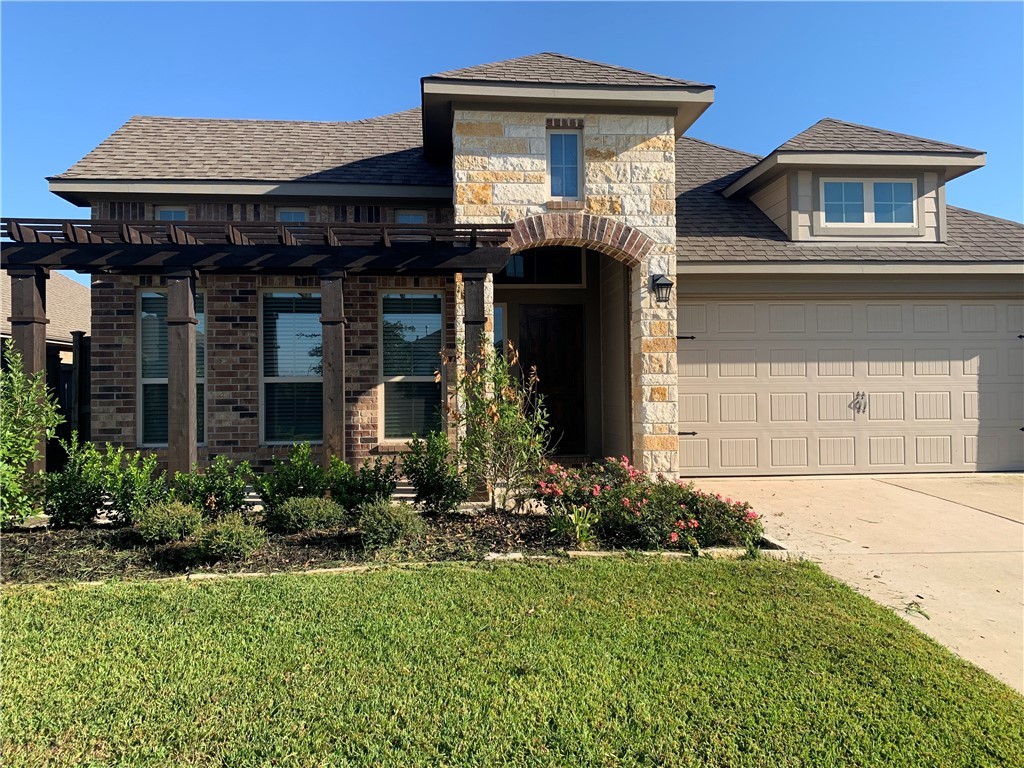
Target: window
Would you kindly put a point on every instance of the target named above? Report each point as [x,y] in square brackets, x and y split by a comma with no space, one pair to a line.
[171,213]
[564,166]
[500,334]
[153,368]
[894,202]
[410,217]
[411,340]
[292,368]
[869,203]
[292,215]
[844,202]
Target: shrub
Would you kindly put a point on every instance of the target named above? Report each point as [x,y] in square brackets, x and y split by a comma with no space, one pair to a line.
[440,487]
[575,523]
[28,414]
[73,496]
[168,521]
[218,491]
[627,508]
[229,538]
[296,476]
[304,513]
[352,488]
[385,523]
[504,423]
[133,482]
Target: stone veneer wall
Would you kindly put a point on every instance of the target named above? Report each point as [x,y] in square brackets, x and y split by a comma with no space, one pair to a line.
[232,360]
[500,171]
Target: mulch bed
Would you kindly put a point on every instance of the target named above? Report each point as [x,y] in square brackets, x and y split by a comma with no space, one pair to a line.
[91,554]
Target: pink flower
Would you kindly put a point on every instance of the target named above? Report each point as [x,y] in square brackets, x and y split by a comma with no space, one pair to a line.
[558,491]
[680,524]
[552,469]
[625,502]
[673,537]
[596,490]
[694,524]
[728,500]
[751,516]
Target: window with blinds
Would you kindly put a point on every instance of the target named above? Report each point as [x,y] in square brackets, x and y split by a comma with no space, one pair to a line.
[292,347]
[153,362]
[411,342]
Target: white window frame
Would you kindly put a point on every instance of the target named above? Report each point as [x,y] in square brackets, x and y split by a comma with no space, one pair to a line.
[303,211]
[578,132]
[868,185]
[140,381]
[280,379]
[158,209]
[382,379]
[407,211]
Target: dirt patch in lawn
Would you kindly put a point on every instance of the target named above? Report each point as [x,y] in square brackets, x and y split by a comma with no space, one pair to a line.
[44,555]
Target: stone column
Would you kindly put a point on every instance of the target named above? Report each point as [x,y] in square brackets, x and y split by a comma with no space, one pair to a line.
[182,430]
[28,328]
[332,319]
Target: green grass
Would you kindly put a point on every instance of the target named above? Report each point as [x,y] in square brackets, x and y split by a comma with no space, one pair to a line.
[594,663]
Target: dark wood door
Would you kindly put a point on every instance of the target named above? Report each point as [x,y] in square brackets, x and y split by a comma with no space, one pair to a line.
[551,337]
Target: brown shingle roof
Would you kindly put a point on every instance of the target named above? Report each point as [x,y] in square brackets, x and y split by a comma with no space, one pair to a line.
[713,228]
[380,150]
[559,69]
[68,307]
[831,135]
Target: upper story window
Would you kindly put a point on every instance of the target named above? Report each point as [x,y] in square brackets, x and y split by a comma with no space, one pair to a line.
[882,204]
[565,164]
[170,213]
[410,217]
[292,215]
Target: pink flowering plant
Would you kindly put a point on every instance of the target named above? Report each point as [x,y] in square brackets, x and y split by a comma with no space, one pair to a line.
[628,508]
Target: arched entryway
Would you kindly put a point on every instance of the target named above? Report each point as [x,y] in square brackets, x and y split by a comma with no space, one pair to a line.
[564,300]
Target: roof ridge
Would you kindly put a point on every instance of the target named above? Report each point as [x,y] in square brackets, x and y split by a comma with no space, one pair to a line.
[618,67]
[875,131]
[723,147]
[986,215]
[252,120]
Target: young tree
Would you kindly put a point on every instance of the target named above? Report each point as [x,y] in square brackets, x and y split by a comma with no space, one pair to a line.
[502,425]
[28,414]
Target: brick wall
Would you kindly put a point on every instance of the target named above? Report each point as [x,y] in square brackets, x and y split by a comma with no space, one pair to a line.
[232,360]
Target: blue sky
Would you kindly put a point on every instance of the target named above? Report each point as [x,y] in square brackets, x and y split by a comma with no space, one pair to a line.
[73,72]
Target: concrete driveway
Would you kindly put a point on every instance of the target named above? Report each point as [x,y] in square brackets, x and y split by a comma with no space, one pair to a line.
[949,546]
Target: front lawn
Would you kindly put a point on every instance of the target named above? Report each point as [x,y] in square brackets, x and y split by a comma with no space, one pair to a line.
[607,663]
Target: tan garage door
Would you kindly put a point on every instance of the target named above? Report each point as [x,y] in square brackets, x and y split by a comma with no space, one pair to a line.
[815,387]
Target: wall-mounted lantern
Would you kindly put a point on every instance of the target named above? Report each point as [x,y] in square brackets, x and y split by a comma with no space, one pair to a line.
[662,288]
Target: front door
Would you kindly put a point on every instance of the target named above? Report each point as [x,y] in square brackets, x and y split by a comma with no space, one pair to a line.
[551,337]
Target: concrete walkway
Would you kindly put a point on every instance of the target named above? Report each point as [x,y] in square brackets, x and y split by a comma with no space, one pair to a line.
[949,546]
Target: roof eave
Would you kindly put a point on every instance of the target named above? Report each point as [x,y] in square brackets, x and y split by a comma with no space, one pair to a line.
[685,102]
[953,164]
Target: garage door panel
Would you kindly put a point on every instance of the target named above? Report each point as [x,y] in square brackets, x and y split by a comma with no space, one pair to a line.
[791,387]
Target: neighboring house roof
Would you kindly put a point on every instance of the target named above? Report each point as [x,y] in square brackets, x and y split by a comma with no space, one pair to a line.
[711,227]
[559,69]
[68,307]
[831,135]
[379,150]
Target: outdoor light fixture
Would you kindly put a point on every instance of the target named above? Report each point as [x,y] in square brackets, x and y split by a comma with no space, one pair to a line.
[662,288]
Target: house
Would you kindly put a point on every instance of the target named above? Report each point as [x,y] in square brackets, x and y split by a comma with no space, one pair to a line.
[703,310]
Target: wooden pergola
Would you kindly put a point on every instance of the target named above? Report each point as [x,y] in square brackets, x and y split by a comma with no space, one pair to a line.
[180,251]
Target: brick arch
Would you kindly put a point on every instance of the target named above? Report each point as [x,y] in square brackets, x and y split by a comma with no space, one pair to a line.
[612,238]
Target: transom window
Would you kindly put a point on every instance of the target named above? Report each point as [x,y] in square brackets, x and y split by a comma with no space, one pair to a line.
[292,215]
[292,368]
[171,213]
[564,164]
[869,203]
[153,368]
[411,341]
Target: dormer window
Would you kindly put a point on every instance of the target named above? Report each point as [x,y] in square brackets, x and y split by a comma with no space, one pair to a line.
[879,206]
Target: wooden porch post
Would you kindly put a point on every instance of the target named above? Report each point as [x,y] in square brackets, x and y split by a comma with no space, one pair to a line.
[332,319]
[182,435]
[28,328]
[475,317]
